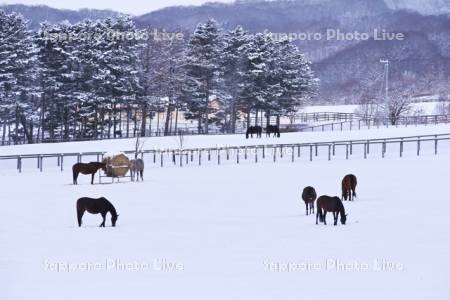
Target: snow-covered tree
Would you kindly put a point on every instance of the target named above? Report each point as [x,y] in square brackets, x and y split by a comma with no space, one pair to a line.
[202,67]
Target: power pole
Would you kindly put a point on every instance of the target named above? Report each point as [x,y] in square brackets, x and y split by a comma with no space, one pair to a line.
[386,76]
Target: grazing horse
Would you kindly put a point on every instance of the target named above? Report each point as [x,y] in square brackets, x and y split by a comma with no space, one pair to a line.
[348,187]
[273,129]
[86,169]
[96,206]
[254,130]
[309,195]
[333,204]
[137,169]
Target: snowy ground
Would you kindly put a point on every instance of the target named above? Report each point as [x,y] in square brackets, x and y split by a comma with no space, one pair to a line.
[426,108]
[229,231]
[223,140]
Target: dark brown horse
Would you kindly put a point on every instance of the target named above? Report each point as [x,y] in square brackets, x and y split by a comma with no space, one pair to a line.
[309,195]
[96,206]
[273,129]
[86,169]
[254,130]
[349,187]
[332,204]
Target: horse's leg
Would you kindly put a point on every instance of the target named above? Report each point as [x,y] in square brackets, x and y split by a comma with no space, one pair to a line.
[317,216]
[104,218]
[142,175]
[92,178]
[335,218]
[75,177]
[311,207]
[306,204]
[325,217]
[80,214]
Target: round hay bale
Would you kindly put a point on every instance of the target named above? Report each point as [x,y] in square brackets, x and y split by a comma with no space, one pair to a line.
[117,164]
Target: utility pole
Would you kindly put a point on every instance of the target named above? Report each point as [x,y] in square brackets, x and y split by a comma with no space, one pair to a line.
[386,76]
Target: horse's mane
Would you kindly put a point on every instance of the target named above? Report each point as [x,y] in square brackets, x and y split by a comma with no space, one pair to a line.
[340,205]
[111,207]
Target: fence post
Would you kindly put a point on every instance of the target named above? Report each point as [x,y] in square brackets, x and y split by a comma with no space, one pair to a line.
[351,125]
[264,152]
[383,148]
[154,157]
[281,151]
[316,149]
[334,149]
[418,146]
[218,156]
[38,162]
[275,154]
[351,148]
[435,145]
[329,151]
[310,152]
[162,159]
[346,151]
[237,154]
[368,147]
[199,157]
[19,164]
[256,155]
[192,155]
[209,154]
[365,151]
[401,148]
[41,158]
[62,162]
[298,150]
[341,126]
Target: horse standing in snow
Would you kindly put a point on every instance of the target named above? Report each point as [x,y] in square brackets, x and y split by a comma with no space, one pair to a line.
[137,169]
[86,169]
[254,130]
[332,204]
[349,187]
[309,195]
[273,129]
[96,206]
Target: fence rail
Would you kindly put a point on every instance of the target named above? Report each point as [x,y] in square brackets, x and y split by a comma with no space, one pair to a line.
[200,156]
[379,122]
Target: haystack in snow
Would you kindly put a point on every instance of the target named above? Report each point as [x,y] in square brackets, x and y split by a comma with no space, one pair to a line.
[117,164]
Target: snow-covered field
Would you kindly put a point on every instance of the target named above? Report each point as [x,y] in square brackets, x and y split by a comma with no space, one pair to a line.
[223,140]
[232,231]
[426,108]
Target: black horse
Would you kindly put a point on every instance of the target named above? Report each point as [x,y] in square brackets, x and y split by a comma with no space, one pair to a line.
[333,204]
[86,169]
[254,130]
[273,129]
[309,195]
[96,206]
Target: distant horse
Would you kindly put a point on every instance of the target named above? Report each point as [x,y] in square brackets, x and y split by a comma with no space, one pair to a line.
[96,206]
[309,195]
[254,130]
[86,169]
[333,204]
[348,187]
[273,129]
[137,169]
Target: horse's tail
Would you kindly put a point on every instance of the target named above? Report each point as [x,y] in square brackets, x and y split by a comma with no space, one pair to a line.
[79,214]
[75,175]
[319,212]
[354,183]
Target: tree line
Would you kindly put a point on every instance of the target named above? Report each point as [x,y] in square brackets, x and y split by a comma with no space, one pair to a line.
[99,78]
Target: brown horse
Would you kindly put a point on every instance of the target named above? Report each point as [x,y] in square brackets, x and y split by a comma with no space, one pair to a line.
[333,204]
[86,169]
[96,206]
[348,187]
[309,195]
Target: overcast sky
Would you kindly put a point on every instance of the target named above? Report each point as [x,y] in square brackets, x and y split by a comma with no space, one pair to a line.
[136,7]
